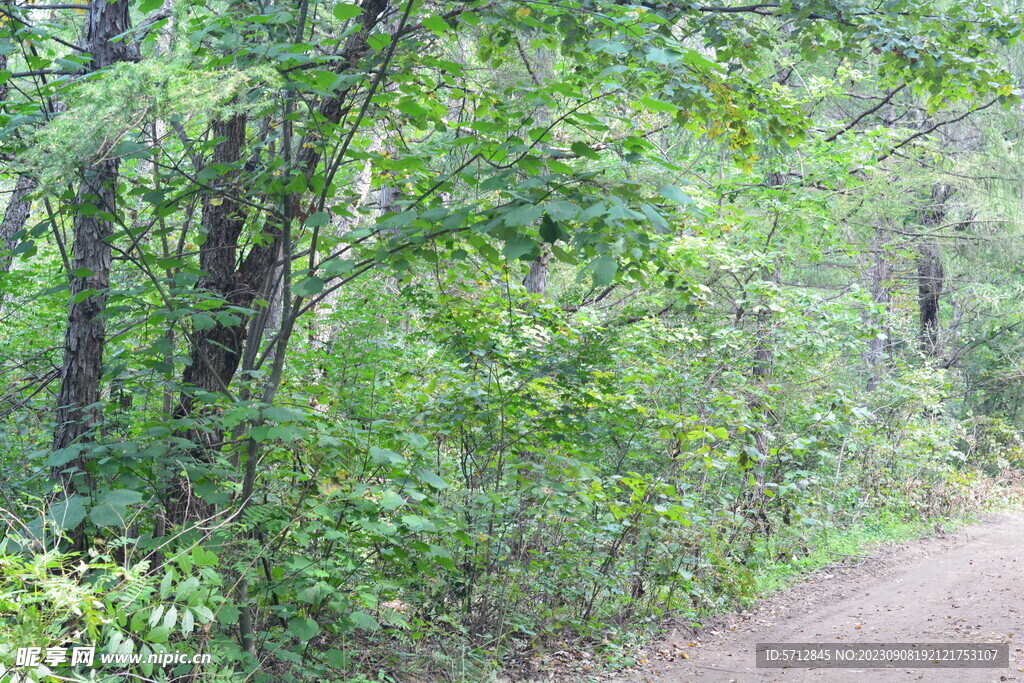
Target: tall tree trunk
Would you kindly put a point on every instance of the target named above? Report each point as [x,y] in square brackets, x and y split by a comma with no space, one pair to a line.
[761,373]
[78,409]
[15,218]
[930,276]
[540,67]
[930,273]
[217,351]
[390,195]
[18,208]
[536,281]
[877,319]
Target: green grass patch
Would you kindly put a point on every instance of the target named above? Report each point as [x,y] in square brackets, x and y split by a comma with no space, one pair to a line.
[832,546]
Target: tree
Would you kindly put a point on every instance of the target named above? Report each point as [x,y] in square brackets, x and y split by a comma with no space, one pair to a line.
[78,402]
[712,201]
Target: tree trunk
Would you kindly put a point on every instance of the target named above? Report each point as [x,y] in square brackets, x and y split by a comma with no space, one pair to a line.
[78,409]
[761,374]
[536,281]
[216,351]
[389,196]
[930,273]
[15,218]
[877,318]
[929,291]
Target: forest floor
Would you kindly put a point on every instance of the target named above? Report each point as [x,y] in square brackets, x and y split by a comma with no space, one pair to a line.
[962,587]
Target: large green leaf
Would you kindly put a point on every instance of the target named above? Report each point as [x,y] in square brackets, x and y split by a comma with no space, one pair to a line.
[603,269]
[303,628]
[518,246]
[68,513]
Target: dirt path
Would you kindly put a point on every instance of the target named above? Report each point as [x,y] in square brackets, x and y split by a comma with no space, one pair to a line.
[966,587]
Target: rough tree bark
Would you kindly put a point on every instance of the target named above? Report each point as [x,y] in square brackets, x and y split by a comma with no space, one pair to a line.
[540,68]
[78,408]
[930,276]
[536,281]
[15,218]
[217,351]
[881,296]
[930,273]
[18,208]
[390,195]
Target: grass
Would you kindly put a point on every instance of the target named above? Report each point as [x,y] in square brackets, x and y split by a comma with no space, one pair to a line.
[832,545]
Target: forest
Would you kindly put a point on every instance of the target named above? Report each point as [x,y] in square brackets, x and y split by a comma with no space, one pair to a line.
[412,340]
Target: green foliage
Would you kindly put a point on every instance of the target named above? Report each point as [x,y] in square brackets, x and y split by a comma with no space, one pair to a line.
[336,437]
[58,601]
[108,111]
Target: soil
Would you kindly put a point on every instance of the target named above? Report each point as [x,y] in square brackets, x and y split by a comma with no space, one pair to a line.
[963,587]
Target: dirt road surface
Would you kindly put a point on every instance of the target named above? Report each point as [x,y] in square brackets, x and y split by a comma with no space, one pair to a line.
[965,587]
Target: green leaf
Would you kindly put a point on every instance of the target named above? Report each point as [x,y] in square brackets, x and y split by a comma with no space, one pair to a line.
[303,628]
[309,286]
[69,512]
[201,321]
[655,218]
[655,104]
[552,231]
[418,523]
[278,414]
[337,267]
[228,614]
[429,478]
[157,635]
[561,210]
[673,193]
[343,11]
[170,617]
[338,659]
[659,55]
[391,501]
[436,24]
[203,557]
[105,514]
[203,613]
[490,254]
[378,41]
[584,150]
[518,246]
[603,268]
[364,621]
[317,219]
[62,456]
[524,214]
[121,497]
[398,220]
[165,584]
[382,456]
